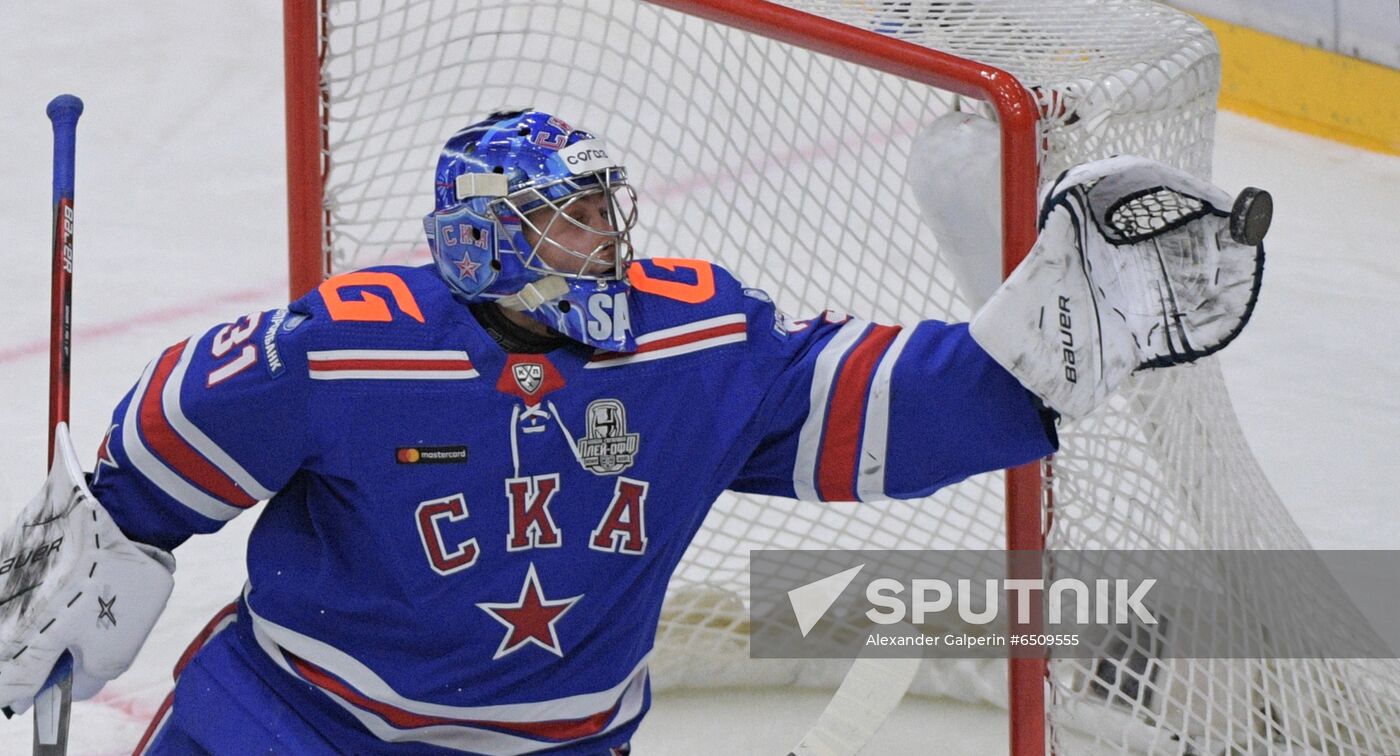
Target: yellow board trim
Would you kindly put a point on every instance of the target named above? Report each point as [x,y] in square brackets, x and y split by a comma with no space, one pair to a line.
[1308,89]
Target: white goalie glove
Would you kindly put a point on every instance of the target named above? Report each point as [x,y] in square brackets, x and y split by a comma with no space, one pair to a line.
[1137,266]
[71,581]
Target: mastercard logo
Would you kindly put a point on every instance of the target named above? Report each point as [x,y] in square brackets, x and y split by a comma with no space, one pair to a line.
[416,455]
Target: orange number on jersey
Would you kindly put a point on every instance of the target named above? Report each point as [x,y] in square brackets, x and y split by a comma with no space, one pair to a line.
[369,307]
[690,293]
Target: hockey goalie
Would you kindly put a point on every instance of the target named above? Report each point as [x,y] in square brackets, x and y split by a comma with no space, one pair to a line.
[480,474]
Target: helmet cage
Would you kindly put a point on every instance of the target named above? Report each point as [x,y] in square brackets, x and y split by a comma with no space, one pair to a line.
[560,196]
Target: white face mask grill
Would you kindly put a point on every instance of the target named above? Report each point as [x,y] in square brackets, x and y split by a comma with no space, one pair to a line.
[569,209]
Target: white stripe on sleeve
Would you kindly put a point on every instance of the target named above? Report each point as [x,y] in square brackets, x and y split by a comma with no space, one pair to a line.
[175,415]
[155,471]
[870,481]
[809,440]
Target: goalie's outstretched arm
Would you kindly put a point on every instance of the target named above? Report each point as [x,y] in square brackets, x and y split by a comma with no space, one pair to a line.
[863,411]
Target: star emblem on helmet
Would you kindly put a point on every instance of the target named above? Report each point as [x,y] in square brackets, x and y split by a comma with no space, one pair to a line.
[467,268]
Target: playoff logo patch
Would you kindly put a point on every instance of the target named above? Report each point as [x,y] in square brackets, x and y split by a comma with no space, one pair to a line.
[608,448]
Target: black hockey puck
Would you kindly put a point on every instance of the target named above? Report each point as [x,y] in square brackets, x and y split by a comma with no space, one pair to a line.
[1251,215]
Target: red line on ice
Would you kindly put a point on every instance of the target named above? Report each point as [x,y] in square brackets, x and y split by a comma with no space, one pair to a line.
[154,317]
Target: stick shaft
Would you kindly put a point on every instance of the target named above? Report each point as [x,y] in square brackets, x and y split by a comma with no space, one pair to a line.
[63,111]
[52,707]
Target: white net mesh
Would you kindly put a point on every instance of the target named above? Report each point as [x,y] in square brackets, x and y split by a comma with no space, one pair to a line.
[788,167]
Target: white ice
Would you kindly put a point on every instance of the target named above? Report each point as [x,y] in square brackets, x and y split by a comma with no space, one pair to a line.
[181,225]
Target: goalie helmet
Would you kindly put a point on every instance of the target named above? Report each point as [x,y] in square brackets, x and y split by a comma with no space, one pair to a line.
[535,216]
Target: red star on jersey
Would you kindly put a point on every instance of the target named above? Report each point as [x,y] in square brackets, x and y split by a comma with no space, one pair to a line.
[104,454]
[465,267]
[530,619]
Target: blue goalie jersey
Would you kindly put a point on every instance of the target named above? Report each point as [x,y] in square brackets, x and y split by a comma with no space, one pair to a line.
[466,549]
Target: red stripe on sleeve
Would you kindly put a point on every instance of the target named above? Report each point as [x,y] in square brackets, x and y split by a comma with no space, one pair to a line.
[673,341]
[836,462]
[167,444]
[389,364]
[690,338]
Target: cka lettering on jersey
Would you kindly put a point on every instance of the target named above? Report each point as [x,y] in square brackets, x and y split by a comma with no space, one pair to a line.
[623,529]
[531,525]
[607,448]
[450,546]
[433,519]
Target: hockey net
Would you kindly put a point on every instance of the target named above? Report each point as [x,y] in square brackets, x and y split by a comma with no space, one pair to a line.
[788,167]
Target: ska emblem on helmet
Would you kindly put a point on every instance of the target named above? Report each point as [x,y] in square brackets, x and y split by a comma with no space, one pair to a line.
[528,376]
[607,448]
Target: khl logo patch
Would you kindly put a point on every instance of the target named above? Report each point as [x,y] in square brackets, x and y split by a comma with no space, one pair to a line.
[528,376]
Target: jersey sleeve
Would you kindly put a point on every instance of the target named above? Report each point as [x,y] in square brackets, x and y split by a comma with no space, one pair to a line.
[215,424]
[858,411]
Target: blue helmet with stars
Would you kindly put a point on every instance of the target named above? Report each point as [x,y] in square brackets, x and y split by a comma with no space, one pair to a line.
[535,215]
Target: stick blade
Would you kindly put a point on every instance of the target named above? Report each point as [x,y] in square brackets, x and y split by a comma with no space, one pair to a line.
[867,696]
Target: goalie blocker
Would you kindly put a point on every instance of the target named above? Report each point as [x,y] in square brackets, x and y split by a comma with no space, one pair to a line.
[1137,266]
[72,583]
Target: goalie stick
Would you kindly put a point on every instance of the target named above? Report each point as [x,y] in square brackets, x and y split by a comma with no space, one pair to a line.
[869,693]
[53,706]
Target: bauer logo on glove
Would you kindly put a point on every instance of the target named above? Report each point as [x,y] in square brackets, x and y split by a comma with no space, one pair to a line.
[1137,266]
